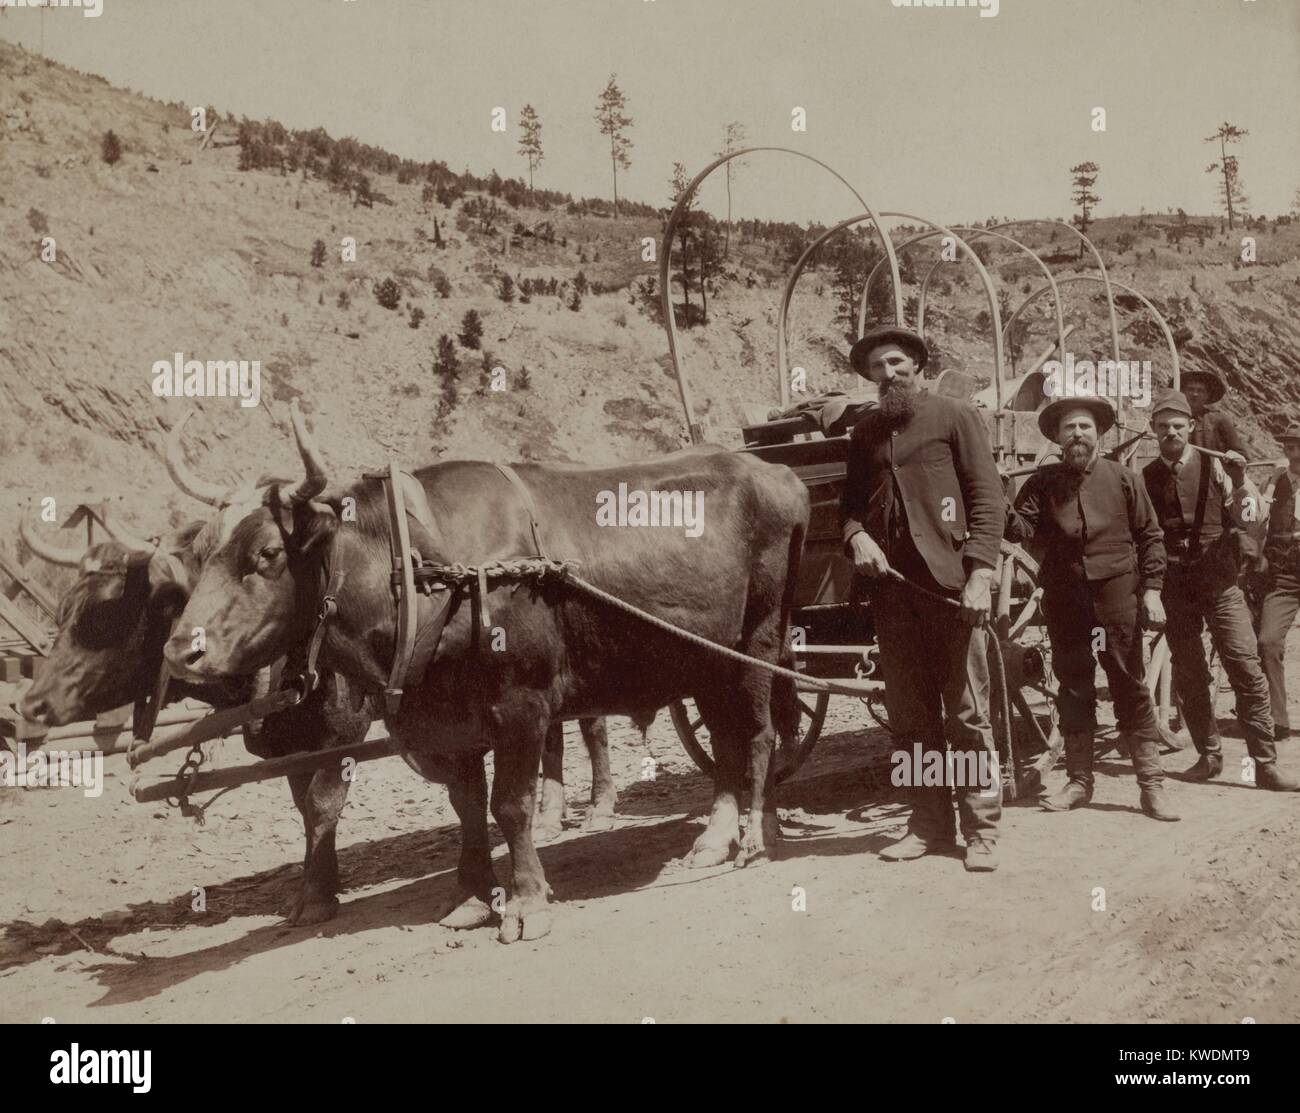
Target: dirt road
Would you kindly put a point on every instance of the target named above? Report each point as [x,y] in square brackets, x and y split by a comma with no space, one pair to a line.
[1095,915]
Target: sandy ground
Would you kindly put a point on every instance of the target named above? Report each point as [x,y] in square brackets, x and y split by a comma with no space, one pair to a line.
[1095,915]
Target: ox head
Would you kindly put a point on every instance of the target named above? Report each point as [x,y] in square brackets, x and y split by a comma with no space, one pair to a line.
[113,623]
[258,591]
[115,619]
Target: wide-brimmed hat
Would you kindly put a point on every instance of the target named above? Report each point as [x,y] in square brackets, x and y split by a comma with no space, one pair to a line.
[1215,385]
[1174,400]
[1102,410]
[1292,434]
[911,342]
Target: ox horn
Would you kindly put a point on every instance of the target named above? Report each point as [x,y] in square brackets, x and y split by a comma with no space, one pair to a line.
[131,541]
[313,482]
[68,558]
[185,479]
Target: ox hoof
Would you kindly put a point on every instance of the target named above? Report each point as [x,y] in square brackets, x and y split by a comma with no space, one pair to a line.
[466,912]
[312,910]
[707,852]
[751,855]
[761,845]
[599,821]
[546,829]
[523,921]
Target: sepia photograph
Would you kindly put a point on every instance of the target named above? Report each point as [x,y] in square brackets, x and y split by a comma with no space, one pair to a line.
[650,512]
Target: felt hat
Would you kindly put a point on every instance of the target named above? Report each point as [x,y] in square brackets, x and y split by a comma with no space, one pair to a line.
[1102,410]
[1216,386]
[912,343]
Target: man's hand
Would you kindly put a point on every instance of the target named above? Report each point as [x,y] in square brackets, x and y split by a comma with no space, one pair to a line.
[1234,463]
[977,597]
[1153,611]
[868,557]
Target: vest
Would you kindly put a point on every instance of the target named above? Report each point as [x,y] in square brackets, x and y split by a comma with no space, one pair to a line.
[1195,520]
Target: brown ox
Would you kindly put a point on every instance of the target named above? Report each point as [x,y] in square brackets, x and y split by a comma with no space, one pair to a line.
[564,654]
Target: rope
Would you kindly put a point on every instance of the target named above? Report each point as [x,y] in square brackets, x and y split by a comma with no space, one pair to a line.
[543,569]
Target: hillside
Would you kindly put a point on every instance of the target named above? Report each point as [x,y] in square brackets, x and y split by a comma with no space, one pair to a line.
[174,249]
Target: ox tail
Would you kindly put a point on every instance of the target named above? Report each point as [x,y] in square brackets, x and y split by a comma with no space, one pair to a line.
[785,698]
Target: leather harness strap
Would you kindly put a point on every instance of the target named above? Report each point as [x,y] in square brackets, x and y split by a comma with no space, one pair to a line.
[419,624]
[525,496]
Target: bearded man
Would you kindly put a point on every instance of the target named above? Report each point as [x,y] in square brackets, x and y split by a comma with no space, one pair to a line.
[922,499]
[1102,570]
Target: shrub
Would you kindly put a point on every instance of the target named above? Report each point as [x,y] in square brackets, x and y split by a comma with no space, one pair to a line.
[417,315]
[506,289]
[344,299]
[387,294]
[471,329]
[110,148]
[318,253]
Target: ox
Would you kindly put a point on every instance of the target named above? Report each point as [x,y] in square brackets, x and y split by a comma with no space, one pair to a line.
[563,654]
[113,623]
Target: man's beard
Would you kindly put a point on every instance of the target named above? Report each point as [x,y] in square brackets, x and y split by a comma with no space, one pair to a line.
[1076,455]
[897,405]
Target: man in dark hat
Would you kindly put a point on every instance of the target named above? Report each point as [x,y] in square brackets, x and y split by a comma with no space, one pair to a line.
[922,498]
[1200,510]
[1214,429]
[1281,573]
[1101,573]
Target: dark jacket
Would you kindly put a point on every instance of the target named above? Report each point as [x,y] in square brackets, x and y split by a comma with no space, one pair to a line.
[1105,525]
[1215,430]
[942,463]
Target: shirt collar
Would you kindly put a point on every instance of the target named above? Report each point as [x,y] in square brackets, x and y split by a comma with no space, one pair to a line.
[1188,450]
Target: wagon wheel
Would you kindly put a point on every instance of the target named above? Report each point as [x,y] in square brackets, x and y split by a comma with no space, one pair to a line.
[1036,733]
[1159,681]
[695,735]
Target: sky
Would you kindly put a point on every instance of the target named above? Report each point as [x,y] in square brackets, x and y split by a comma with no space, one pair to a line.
[940,112]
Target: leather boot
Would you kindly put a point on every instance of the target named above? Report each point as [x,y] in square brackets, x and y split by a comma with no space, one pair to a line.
[1150,777]
[1271,777]
[1210,764]
[1078,768]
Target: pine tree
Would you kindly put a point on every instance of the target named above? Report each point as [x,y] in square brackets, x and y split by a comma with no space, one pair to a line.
[613,120]
[471,329]
[1230,188]
[1085,177]
[318,253]
[530,141]
[110,148]
[733,139]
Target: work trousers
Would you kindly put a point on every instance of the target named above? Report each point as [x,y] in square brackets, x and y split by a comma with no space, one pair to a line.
[1281,601]
[936,675]
[1092,621]
[1204,593]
